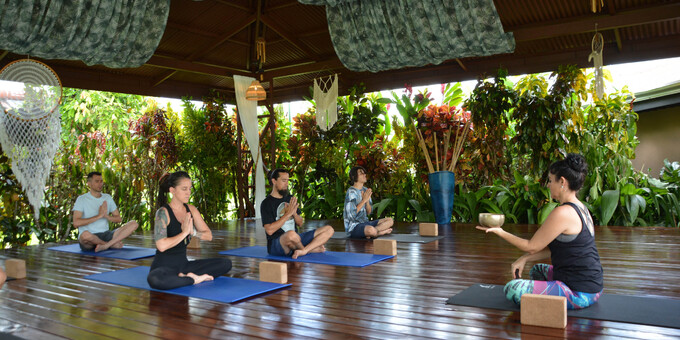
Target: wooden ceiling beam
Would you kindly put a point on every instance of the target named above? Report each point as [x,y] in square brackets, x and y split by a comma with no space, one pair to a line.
[523,64]
[204,50]
[611,7]
[320,66]
[193,67]
[191,29]
[285,5]
[617,37]
[223,38]
[165,76]
[288,36]
[585,24]
[231,4]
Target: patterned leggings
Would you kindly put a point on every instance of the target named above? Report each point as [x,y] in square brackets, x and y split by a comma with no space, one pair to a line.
[541,283]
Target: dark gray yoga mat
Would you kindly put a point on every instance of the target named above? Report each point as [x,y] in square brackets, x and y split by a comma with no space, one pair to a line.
[652,311]
[408,238]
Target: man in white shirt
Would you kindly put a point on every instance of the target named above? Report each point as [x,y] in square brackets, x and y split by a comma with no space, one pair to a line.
[92,213]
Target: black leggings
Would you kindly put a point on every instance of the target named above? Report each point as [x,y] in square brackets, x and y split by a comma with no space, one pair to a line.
[165,277]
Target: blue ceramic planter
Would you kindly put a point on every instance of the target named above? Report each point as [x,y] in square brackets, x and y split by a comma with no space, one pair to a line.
[442,184]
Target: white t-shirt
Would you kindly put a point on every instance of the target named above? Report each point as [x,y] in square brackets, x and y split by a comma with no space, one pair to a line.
[89,206]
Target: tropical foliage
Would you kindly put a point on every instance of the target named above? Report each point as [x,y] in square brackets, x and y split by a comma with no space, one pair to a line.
[517,130]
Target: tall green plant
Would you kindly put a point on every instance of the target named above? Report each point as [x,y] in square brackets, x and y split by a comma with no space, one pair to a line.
[490,104]
[208,153]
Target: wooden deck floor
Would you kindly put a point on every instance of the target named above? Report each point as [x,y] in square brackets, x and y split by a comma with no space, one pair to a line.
[402,298]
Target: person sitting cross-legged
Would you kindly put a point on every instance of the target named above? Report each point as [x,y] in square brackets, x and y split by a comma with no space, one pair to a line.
[92,213]
[281,218]
[567,236]
[358,205]
[174,226]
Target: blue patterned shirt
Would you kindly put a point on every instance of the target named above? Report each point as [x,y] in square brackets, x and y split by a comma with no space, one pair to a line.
[350,214]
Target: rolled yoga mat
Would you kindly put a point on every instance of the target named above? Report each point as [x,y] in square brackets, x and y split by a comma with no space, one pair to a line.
[330,257]
[222,289]
[125,253]
[652,311]
[407,238]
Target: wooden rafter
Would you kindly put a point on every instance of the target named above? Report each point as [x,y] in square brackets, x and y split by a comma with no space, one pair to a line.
[232,4]
[310,67]
[199,68]
[288,36]
[611,9]
[206,49]
[223,38]
[604,22]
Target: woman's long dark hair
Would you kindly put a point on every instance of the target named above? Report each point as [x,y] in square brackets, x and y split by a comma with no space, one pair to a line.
[168,181]
[573,168]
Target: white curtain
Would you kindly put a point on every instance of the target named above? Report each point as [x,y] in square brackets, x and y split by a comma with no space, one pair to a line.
[247,111]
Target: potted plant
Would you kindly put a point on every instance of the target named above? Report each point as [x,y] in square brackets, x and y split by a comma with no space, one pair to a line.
[440,132]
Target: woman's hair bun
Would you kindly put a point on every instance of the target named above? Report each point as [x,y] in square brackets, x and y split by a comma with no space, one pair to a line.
[576,162]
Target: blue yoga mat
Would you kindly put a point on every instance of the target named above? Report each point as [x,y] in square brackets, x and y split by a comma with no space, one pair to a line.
[222,289]
[125,253]
[330,257]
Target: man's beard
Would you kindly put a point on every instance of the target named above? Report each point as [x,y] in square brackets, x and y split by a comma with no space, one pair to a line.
[283,192]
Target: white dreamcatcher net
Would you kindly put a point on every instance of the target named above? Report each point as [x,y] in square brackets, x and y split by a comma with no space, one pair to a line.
[596,56]
[30,125]
[326,99]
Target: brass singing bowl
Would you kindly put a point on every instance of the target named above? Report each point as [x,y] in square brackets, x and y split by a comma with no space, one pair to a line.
[491,220]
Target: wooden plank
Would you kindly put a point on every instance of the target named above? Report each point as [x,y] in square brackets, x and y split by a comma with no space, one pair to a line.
[402,297]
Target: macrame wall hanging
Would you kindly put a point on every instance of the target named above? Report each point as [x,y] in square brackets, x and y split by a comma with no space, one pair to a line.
[596,56]
[30,124]
[326,99]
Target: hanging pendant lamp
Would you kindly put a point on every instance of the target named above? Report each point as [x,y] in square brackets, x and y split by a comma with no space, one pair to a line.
[255,91]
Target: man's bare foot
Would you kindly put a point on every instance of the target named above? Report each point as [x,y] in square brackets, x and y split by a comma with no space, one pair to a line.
[385,232]
[100,247]
[117,245]
[319,249]
[298,253]
[199,278]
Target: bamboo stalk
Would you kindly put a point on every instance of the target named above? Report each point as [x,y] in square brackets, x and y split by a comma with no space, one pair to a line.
[459,143]
[446,147]
[453,156]
[436,154]
[421,143]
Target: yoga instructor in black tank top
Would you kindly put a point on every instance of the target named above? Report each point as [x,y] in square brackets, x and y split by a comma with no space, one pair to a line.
[567,236]
[174,226]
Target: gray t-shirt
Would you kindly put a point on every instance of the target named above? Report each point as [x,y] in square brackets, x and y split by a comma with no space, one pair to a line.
[89,206]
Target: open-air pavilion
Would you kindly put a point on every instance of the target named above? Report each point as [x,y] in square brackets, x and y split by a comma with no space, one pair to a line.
[203,46]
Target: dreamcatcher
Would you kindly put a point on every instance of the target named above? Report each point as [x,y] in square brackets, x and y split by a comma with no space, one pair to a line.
[596,55]
[326,99]
[30,125]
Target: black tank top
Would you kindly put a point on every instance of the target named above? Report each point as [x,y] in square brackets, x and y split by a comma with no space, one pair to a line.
[177,255]
[577,262]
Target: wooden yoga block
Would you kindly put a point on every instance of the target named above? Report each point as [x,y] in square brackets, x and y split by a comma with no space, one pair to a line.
[195,243]
[543,310]
[276,272]
[385,247]
[15,268]
[428,229]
